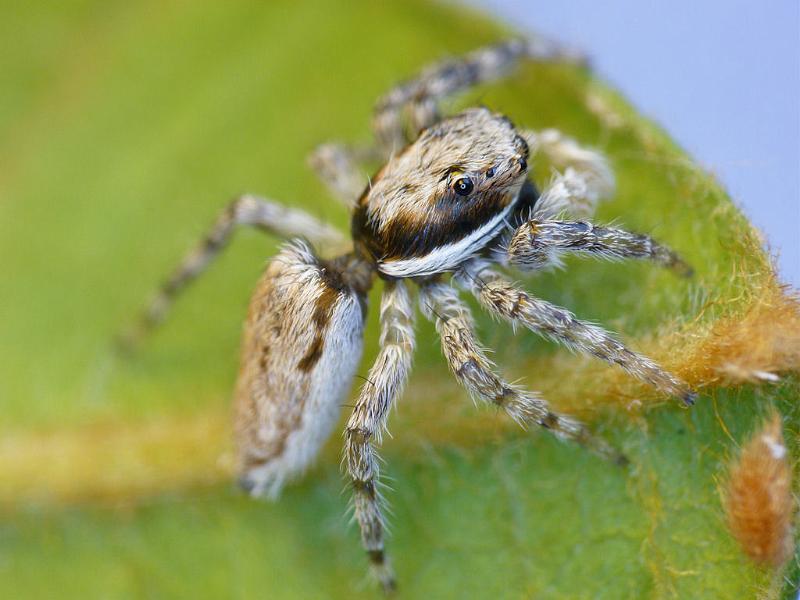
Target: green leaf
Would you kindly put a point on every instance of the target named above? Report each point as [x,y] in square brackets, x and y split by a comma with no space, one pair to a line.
[126,129]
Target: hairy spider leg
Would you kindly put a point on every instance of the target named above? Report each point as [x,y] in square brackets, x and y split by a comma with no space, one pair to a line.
[337,166]
[368,421]
[440,303]
[245,210]
[537,245]
[413,105]
[582,180]
[499,296]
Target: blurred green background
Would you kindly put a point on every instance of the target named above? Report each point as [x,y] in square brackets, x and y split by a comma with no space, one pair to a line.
[126,127]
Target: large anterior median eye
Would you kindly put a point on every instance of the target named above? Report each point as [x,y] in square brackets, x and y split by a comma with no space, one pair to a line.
[463,186]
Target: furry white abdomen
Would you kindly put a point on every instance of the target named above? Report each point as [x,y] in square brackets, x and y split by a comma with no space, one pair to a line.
[302,345]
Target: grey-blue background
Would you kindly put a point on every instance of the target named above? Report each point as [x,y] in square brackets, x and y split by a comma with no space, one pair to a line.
[722,76]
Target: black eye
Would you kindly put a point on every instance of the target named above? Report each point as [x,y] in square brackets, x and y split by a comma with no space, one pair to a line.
[463,186]
[490,173]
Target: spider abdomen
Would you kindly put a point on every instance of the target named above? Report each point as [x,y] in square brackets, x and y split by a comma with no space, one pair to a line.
[302,344]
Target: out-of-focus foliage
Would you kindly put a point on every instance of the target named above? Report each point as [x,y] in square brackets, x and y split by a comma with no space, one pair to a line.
[125,127]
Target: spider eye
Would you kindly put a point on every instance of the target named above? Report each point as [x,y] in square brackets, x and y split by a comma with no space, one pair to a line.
[463,186]
[490,173]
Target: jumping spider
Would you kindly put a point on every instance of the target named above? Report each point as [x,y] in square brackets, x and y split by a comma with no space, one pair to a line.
[451,204]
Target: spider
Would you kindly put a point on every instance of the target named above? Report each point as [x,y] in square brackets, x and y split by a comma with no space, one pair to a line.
[451,209]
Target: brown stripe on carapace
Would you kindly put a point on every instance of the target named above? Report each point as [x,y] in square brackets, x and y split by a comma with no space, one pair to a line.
[449,219]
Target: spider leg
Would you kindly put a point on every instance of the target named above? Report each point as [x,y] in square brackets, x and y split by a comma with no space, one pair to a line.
[584,178]
[413,105]
[337,166]
[502,298]
[368,420]
[244,210]
[538,244]
[452,318]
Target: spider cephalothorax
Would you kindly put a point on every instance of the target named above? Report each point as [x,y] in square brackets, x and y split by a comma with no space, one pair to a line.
[443,197]
[452,206]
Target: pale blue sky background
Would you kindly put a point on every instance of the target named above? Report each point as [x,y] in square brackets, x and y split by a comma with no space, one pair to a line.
[722,76]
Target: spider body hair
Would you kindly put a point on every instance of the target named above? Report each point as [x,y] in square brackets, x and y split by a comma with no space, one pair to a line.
[301,346]
[444,197]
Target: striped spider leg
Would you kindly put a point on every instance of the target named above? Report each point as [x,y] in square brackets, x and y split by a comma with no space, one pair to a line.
[408,108]
[368,421]
[583,176]
[501,297]
[539,243]
[440,303]
[245,210]
[338,167]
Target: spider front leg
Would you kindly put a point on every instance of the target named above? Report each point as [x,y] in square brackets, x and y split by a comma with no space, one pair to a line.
[337,166]
[584,178]
[414,105]
[246,210]
[440,303]
[502,298]
[536,245]
[368,420]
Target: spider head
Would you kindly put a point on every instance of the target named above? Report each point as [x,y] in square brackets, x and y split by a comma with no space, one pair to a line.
[444,197]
